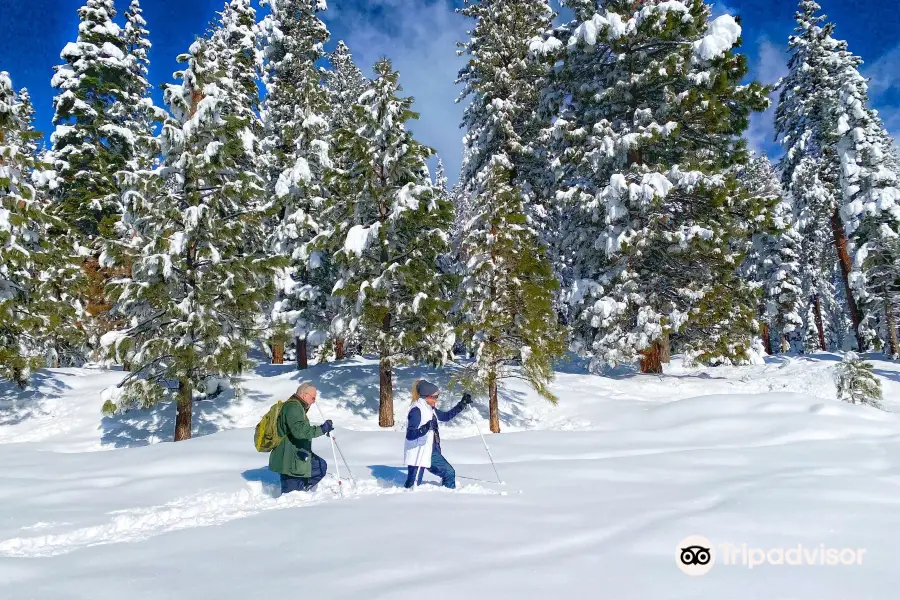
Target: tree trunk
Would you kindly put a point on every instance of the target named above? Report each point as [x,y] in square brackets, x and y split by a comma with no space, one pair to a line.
[492,403]
[840,244]
[665,353]
[184,412]
[386,395]
[891,325]
[817,303]
[339,349]
[767,339]
[386,388]
[650,358]
[302,357]
[278,353]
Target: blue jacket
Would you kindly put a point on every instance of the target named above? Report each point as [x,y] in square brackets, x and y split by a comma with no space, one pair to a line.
[414,431]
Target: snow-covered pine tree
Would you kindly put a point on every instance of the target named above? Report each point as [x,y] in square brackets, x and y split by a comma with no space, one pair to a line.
[390,227]
[88,145]
[297,134]
[32,139]
[806,121]
[136,114]
[777,257]
[201,277]
[871,202]
[91,146]
[447,261]
[818,258]
[505,299]
[856,383]
[651,107]
[461,212]
[440,177]
[32,311]
[345,83]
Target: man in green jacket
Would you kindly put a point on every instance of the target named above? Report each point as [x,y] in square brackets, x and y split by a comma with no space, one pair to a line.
[293,458]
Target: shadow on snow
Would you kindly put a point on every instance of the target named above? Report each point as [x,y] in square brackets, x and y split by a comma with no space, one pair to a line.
[18,405]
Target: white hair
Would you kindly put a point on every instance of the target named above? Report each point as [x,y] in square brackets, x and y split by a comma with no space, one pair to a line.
[304,387]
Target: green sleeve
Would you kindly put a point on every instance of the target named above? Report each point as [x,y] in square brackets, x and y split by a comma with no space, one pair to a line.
[297,424]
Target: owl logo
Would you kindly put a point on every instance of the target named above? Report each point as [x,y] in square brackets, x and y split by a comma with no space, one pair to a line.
[695,555]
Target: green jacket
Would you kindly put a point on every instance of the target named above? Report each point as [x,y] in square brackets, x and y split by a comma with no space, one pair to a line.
[292,455]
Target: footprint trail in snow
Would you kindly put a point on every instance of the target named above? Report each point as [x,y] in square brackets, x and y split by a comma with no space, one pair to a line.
[200,510]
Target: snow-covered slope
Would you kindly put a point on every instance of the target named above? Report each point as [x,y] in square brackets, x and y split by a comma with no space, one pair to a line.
[599,491]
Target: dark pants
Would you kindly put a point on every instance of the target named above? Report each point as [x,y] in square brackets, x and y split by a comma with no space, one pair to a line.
[305,484]
[439,467]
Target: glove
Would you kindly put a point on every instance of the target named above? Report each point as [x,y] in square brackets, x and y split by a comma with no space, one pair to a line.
[466,399]
[429,426]
[327,427]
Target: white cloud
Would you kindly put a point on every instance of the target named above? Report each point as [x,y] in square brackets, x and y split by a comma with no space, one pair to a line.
[884,88]
[769,66]
[720,8]
[421,44]
[884,73]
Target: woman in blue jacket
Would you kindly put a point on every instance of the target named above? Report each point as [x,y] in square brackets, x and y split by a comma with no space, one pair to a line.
[422,449]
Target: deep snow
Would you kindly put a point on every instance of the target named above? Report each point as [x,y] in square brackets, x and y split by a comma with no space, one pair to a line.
[600,490]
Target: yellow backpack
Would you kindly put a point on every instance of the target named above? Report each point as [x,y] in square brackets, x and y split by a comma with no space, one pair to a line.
[266,437]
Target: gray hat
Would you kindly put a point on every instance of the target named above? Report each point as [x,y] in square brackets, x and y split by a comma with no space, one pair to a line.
[426,388]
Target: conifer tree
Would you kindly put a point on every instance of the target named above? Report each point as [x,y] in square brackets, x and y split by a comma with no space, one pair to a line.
[201,278]
[89,145]
[806,122]
[871,201]
[856,383]
[777,255]
[506,295]
[818,258]
[32,310]
[651,108]
[440,177]
[31,138]
[345,83]
[390,227]
[136,112]
[297,143]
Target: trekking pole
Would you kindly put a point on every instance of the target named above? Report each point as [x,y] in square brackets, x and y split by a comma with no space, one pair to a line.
[337,467]
[500,481]
[338,446]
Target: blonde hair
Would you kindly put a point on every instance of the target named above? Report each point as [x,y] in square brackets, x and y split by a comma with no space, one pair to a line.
[415,391]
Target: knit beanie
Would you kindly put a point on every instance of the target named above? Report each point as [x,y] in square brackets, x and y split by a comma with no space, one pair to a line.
[426,388]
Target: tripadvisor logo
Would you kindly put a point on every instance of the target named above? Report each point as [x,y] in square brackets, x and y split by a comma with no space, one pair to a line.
[696,555]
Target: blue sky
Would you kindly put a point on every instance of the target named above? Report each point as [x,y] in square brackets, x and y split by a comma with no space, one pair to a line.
[420,37]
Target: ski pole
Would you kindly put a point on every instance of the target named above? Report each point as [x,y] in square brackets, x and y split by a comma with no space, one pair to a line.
[338,446]
[349,472]
[500,481]
[337,467]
